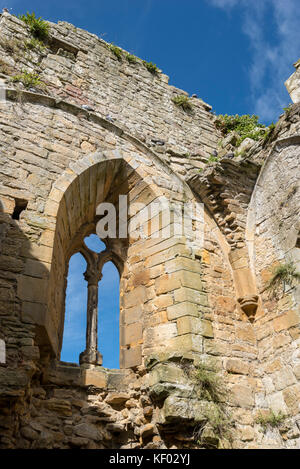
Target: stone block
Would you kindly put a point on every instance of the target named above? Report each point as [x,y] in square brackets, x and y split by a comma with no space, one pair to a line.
[236,366]
[131,357]
[186,343]
[180,263]
[135,298]
[131,315]
[191,280]
[32,289]
[131,334]
[188,324]
[241,396]
[182,309]
[193,296]
[181,410]
[158,335]
[117,398]
[167,373]
[291,396]
[97,378]
[163,301]
[167,283]
[283,378]
[286,320]
[226,304]
[296,370]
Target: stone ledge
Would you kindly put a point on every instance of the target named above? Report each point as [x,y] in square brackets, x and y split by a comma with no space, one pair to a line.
[72,374]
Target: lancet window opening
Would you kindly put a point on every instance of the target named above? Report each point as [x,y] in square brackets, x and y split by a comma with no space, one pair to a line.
[95,262]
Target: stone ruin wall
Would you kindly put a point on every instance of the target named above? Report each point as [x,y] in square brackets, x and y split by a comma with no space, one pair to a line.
[177,305]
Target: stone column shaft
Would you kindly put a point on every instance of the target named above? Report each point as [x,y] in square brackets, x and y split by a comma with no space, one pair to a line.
[91,354]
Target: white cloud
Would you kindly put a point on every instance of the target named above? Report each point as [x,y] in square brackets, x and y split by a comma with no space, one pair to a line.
[272,59]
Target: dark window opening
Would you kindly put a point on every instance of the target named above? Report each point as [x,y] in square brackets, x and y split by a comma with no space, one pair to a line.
[298,241]
[20,205]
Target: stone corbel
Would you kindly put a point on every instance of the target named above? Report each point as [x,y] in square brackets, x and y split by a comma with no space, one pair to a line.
[249,304]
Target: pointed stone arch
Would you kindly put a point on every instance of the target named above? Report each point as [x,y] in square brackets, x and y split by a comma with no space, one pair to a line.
[146,278]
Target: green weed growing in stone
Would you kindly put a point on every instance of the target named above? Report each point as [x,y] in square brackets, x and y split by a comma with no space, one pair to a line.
[11,46]
[35,44]
[216,424]
[183,102]
[212,159]
[270,420]
[282,275]
[215,430]
[287,108]
[208,383]
[131,58]
[246,126]
[116,51]
[151,67]
[37,26]
[269,133]
[28,79]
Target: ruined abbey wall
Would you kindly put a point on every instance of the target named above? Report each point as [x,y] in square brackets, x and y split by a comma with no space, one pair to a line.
[100,127]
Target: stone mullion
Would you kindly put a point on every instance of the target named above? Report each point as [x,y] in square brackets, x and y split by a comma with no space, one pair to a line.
[93,275]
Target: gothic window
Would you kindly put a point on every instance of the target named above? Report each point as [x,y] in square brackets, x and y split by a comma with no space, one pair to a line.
[92,306]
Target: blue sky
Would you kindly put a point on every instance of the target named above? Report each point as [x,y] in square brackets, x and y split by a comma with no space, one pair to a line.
[235,54]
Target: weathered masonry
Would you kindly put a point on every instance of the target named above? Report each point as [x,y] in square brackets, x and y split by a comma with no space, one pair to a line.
[99,128]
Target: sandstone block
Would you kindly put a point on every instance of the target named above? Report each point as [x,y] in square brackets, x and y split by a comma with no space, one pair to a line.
[117,398]
[291,396]
[188,324]
[168,283]
[283,378]
[135,298]
[193,296]
[167,373]
[59,406]
[131,334]
[158,335]
[97,378]
[286,320]
[131,357]
[241,396]
[182,309]
[236,366]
